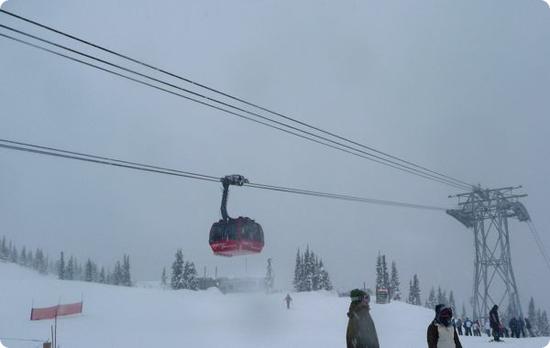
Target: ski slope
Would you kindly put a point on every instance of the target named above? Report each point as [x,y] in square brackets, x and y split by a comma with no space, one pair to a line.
[146,317]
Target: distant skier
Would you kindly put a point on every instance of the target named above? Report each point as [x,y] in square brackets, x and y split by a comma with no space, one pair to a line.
[441,333]
[459,326]
[495,322]
[361,332]
[514,327]
[468,327]
[288,299]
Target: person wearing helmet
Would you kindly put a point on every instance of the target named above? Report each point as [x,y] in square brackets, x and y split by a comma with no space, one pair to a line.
[361,332]
[441,332]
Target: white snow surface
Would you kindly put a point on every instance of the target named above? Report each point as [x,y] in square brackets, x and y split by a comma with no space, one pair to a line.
[152,317]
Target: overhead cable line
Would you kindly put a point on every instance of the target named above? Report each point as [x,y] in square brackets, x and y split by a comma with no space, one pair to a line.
[195,83]
[61,153]
[215,107]
[326,141]
[410,168]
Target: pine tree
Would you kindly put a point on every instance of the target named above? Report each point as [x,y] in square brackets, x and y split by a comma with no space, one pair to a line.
[269,277]
[394,283]
[3,249]
[14,255]
[23,257]
[441,296]
[431,301]
[532,315]
[410,298]
[379,272]
[464,315]
[324,278]
[298,272]
[385,274]
[308,270]
[126,277]
[102,276]
[452,301]
[61,267]
[117,274]
[316,274]
[88,271]
[163,279]
[177,281]
[190,276]
[70,270]
[544,326]
[416,287]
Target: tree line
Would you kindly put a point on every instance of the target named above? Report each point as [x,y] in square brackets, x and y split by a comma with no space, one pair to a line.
[310,273]
[71,269]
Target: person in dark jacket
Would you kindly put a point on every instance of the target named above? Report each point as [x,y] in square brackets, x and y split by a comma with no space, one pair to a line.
[360,332]
[495,322]
[441,333]
[514,327]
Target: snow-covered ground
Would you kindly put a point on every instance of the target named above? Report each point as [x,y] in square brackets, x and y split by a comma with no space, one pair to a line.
[148,317]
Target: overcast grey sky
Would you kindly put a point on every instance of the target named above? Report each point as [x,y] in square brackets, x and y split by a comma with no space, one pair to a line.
[458,86]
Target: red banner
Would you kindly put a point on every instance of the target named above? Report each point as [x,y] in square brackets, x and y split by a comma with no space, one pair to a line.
[55,311]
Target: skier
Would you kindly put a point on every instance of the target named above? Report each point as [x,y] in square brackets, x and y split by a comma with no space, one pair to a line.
[288,299]
[459,326]
[468,327]
[514,327]
[495,322]
[441,333]
[361,332]
[476,330]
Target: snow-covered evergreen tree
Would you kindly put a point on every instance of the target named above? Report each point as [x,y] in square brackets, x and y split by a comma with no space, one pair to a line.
[126,276]
[532,315]
[3,249]
[298,273]
[102,276]
[269,277]
[431,301]
[308,270]
[163,278]
[117,274]
[23,257]
[414,291]
[379,272]
[394,283]
[324,278]
[190,280]
[464,315]
[452,301]
[543,325]
[441,296]
[177,281]
[14,255]
[88,271]
[70,269]
[385,274]
[61,267]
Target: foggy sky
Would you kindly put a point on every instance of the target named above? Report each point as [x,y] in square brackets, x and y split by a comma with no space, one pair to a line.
[461,87]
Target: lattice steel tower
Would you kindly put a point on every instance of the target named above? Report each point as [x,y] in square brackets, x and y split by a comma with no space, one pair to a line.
[487,212]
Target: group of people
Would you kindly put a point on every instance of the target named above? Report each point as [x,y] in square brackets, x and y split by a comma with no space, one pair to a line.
[443,331]
[517,327]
